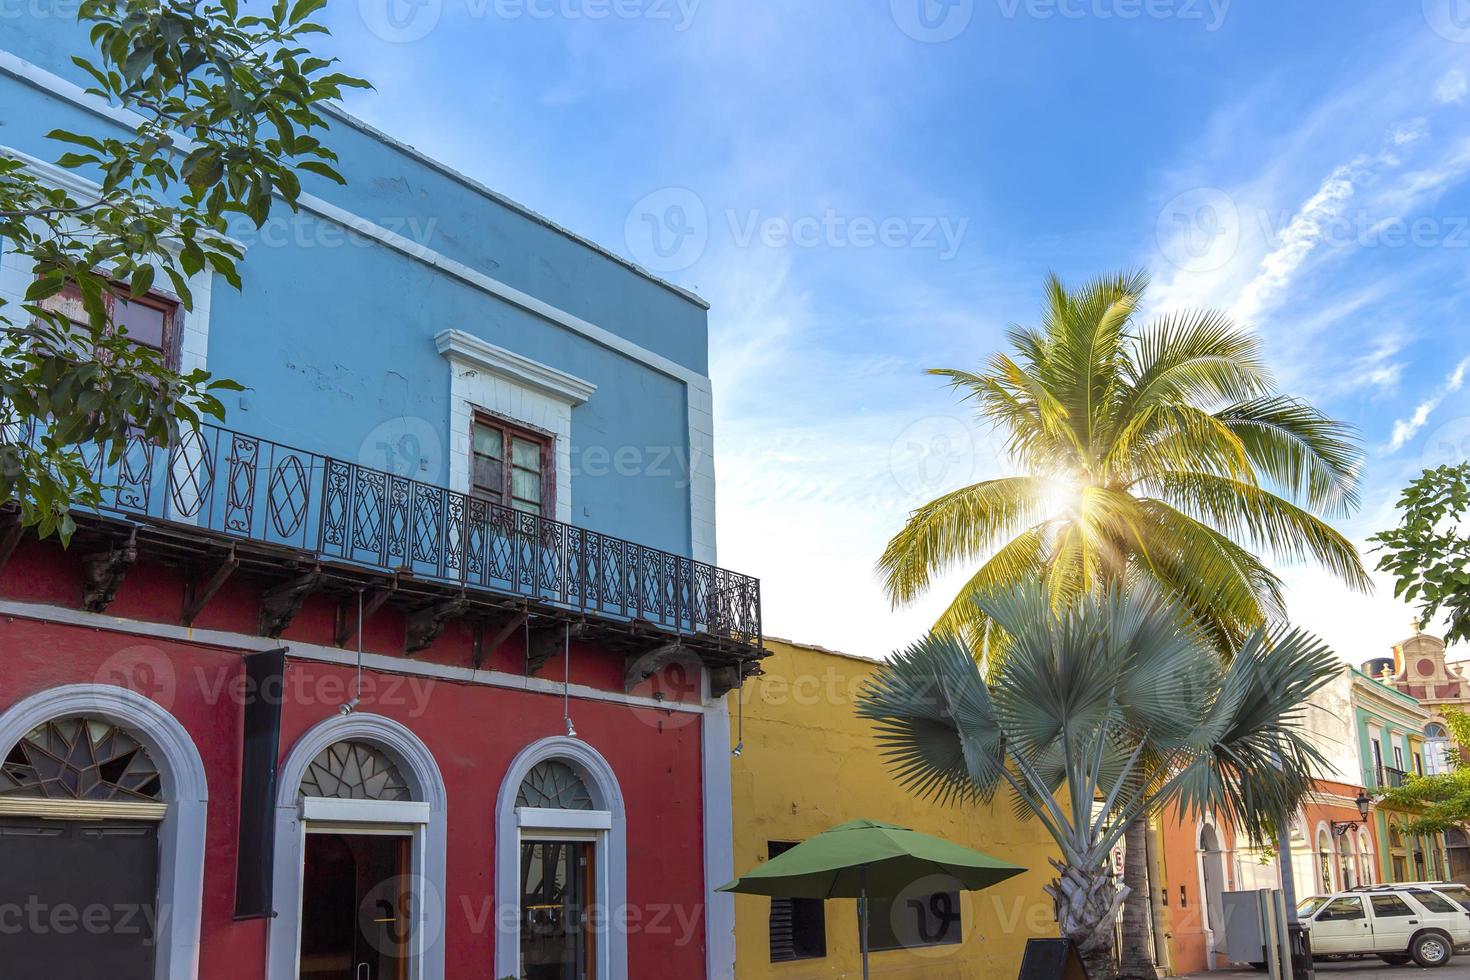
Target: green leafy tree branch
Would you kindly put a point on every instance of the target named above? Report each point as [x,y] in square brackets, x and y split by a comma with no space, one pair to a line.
[229,104]
[1428,553]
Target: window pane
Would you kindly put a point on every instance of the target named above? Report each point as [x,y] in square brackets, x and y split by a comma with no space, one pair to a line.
[144,324]
[525,485]
[1432,901]
[1343,908]
[914,921]
[489,442]
[797,926]
[1390,905]
[526,506]
[526,453]
[68,303]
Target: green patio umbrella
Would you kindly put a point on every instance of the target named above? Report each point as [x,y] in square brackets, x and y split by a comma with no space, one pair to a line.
[865,858]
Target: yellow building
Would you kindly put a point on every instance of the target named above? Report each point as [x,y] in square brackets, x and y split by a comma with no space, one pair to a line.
[809,763]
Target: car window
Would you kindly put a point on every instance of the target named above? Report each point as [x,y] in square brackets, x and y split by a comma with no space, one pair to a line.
[1433,901]
[1390,905]
[1456,893]
[1340,909]
[1310,905]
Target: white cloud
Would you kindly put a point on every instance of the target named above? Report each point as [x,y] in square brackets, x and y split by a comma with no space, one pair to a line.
[1406,429]
[1453,87]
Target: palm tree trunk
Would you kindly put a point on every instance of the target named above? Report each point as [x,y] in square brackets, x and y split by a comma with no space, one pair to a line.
[1136,954]
[1086,908]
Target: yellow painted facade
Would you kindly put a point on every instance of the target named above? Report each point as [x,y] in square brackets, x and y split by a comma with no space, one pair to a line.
[809,763]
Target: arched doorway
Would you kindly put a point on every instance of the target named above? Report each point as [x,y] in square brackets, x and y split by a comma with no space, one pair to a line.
[1324,860]
[561,845]
[1212,881]
[103,801]
[1458,844]
[360,855]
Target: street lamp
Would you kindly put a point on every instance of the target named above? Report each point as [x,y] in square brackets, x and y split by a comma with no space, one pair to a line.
[1341,827]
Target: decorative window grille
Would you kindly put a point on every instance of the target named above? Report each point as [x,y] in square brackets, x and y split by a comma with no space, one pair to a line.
[353,771]
[553,785]
[80,759]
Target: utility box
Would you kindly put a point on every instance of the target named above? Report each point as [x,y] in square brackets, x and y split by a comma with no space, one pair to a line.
[1255,930]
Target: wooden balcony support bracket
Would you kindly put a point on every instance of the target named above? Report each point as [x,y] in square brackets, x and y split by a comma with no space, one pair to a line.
[202,588]
[546,642]
[280,604]
[723,680]
[424,625]
[103,573]
[372,600]
[639,667]
[503,632]
[11,531]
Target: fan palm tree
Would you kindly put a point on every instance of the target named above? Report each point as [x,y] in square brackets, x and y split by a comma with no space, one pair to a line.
[1100,709]
[1156,452]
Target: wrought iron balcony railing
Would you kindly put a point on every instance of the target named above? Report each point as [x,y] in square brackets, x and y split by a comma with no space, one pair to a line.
[250,488]
[1391,778]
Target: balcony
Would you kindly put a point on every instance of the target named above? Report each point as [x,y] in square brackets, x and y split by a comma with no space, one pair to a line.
[1391,778]
[317,523]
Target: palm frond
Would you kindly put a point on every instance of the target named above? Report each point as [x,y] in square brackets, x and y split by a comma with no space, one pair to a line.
[1245,511]
[1310,457]
[965,523]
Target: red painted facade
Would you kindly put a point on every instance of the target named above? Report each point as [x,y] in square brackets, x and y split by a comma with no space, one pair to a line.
[472,730]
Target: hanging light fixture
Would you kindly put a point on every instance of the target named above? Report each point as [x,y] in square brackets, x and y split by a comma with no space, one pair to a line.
[351,705]
[739,713]
[566,681]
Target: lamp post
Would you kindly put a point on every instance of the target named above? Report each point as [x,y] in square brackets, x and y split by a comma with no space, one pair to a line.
[1341,827]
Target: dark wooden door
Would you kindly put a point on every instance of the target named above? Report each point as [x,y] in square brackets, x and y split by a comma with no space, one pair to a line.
[78,900]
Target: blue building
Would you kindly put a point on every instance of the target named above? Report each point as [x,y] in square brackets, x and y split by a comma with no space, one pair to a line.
[463,519]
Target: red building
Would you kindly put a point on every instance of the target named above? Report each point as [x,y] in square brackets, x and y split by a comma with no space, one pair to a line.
[440,696]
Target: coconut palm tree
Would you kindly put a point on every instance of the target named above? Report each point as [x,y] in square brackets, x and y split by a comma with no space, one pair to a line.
[1102,708]
[1156,452]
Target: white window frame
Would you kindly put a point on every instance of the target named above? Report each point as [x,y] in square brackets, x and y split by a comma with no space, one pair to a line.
[422,819]
[605,826]
[181,833]
[490,379]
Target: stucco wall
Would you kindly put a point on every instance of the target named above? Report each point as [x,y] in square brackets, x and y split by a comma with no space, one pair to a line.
[810,763]
[334,332]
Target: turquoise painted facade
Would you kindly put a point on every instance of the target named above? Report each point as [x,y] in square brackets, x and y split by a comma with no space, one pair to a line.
[1390,727]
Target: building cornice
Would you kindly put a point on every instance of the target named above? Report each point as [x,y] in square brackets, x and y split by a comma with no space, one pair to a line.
[485,356]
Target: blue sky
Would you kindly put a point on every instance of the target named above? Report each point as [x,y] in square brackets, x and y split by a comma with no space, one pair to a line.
[866,189]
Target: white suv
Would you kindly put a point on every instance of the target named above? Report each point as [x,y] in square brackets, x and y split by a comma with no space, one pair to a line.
[1398,924]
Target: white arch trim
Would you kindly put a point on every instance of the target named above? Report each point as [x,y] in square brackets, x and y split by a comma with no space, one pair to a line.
[427,784]
[608,797]
[185,789]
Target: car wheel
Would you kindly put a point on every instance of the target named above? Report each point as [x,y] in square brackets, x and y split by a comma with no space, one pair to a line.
[1394,959]
[1431,949]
